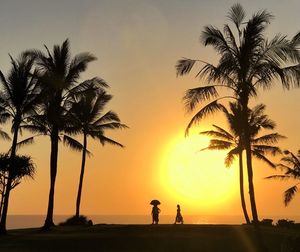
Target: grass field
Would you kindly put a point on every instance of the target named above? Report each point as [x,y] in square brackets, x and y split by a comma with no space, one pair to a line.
[204,238]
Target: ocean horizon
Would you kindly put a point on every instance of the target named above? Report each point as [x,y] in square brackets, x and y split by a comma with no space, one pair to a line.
[33,221]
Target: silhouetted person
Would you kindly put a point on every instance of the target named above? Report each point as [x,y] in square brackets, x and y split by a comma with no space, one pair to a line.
[155,214]
[179,218]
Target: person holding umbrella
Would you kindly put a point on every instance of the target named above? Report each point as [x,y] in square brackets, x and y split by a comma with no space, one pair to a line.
[155,211]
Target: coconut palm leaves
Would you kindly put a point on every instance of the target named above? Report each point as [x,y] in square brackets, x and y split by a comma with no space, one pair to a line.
[58,74]
[18,101]
[247,61]
[291,168]
[233,140]
[90,120]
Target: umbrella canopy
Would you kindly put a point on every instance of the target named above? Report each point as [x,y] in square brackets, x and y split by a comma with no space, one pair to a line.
[154,202]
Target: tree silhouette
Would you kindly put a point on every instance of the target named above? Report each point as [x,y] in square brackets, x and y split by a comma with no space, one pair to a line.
[248,61]
[23,167]
[18,100]
[58,74]
[232,140]
[291,168]
[90,121]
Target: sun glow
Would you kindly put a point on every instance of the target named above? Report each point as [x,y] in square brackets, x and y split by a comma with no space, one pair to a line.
[197,178]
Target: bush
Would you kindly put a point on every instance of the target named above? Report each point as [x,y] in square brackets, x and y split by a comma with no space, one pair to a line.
[77,221]
[285,223]
[266,222]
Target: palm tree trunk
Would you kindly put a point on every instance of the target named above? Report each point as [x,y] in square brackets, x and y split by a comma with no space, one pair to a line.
[2,193]
[247,145]
[9,181]
[81,175]
[242,188]
[250,182]
[53,171]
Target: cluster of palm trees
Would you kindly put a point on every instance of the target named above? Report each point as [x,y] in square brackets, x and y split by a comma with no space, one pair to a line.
[248,61]
[43,95]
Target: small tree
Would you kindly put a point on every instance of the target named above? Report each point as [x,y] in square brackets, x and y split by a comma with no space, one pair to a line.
[23,167]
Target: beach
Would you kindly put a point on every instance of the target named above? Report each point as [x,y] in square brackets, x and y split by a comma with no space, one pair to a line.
[103,237]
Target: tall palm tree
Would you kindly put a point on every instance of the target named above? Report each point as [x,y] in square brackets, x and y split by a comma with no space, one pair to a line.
[232,140]
[248,61]
[90,121]
[291,171]
[59,75]
[23,167]
[18,98]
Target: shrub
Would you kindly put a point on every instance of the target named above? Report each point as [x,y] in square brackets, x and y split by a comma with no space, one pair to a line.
[74,221]
[285,223]
[266,222]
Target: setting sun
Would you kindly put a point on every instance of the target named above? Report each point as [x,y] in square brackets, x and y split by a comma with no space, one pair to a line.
[194,177]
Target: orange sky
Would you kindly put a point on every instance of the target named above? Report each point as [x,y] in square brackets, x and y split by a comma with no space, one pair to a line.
[137,43]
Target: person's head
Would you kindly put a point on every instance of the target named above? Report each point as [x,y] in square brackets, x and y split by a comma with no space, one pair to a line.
[178,206]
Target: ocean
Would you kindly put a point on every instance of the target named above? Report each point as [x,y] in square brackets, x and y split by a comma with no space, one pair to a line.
[29,221]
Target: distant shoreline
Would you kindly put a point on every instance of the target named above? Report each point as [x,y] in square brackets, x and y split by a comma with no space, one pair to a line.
[32,221]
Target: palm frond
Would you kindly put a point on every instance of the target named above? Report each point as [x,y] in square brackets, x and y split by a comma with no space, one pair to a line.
[268,139]
[78,65]
[280,177]
[221,144]
[214,37]
[289,194]
[223,131]
[74,144]
[266,149]
[184,66]
[4,135]
[196,95]
[237,15]
[25,142]
[231,156]
[112,125]
[109,116]
[216,134]
[103,140]
[263,158]
[205,111]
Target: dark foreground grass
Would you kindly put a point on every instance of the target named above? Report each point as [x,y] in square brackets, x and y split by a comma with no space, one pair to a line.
[204,238]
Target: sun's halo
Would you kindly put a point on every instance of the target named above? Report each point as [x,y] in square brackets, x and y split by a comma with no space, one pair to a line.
[197,177]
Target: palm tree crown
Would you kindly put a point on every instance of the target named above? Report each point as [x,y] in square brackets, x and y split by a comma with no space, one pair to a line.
[233,140]
[20,90]
[18,101]
[291,168]
[90,120]
[58,74]
[247,62]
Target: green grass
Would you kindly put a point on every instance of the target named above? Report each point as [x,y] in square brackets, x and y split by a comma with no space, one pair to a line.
[204,238]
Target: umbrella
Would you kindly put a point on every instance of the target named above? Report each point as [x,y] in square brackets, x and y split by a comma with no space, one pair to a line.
[154,202]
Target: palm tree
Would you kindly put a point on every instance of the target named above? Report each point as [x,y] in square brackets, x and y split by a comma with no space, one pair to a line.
[59,74]
[292,171]
[232,140]
[90,121]
[248,61]
[23,167]
[18,100]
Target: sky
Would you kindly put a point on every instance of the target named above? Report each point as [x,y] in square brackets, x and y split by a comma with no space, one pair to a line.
[137,43]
